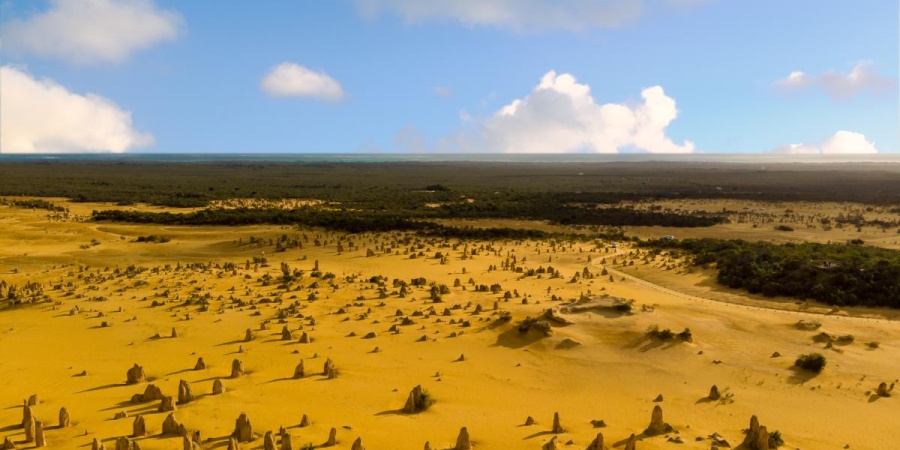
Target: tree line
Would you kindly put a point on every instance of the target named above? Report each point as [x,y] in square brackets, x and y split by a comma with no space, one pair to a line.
[835,274]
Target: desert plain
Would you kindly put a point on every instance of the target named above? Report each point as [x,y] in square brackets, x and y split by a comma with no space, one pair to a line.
[393,311]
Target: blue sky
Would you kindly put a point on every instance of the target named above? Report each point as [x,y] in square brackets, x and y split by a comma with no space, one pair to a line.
[547,76]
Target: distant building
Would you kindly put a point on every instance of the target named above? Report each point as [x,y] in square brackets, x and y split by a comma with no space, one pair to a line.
[668,237]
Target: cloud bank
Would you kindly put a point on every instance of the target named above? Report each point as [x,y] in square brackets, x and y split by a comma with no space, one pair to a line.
[41,116]
[291,80]
[519,15]
[560,115]
[92,31]
[842,142]
[860,79]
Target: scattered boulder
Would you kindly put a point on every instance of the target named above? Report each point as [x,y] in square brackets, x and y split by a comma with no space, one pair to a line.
[714,393]
[557,427]
[120,415]
[27,414]
[139,427]
[171,426]
[29,429]
[200,364]
[299,371]
[529,421]
[151,393]
[597,443]
[189,444]
[462,441]
[135,375]
[550,445]
[243,431]
[64,420]
[286,443]
[237,368]
[419,400]
[329,370]
[123,443]
[217,387]
[629,443]
[39,434]
[657,426]
[184,392]
[166,404]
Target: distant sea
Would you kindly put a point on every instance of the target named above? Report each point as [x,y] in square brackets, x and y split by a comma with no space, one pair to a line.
[451,157]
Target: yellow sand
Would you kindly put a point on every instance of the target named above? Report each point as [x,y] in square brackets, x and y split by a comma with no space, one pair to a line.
[614,375]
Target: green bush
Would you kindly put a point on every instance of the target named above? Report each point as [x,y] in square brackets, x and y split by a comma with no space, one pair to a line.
[813,362]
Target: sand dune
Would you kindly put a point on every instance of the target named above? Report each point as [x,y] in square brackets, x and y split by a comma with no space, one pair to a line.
[602,366]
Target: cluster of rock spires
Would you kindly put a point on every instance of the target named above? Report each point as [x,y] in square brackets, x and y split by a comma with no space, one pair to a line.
[123,443]
[243,431]
[757,436]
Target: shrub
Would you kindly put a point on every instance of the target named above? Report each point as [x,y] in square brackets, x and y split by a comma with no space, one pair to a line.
[813,362]
[775,439]
[423,401]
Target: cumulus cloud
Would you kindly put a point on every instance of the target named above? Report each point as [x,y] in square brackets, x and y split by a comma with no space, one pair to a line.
[40,116]
[92,31]
[291,80]
[842,142]
[860,79]
[560,115]
[518,15]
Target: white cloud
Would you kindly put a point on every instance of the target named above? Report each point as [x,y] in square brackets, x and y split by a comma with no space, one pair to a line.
[560,115]
[93,31]
[291,80]
[442,91]
[40,116]
[842,142]
[518,15]
[860,79]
